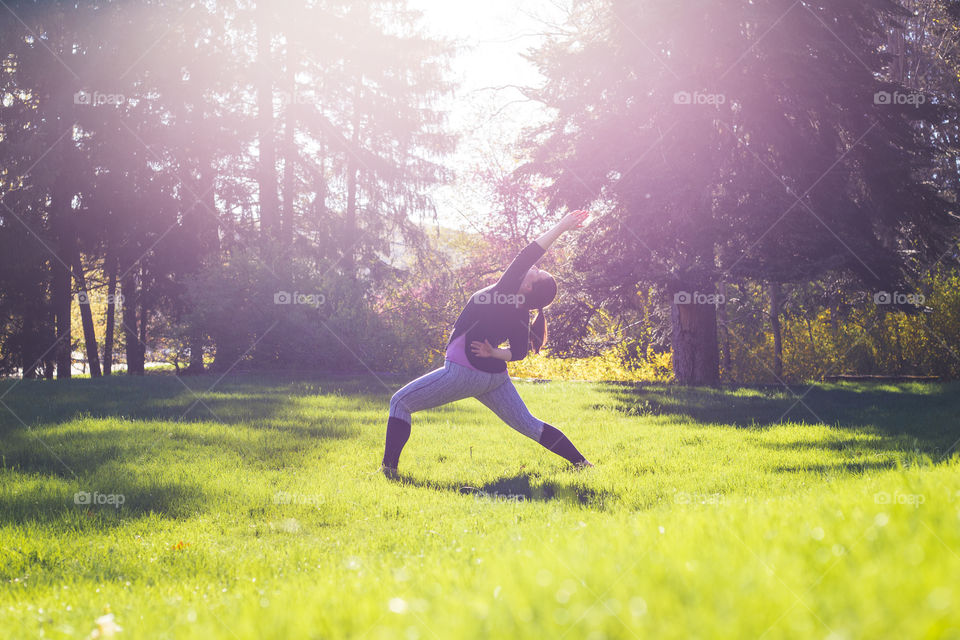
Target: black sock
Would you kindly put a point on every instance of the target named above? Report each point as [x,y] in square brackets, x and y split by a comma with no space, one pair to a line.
[397,433]
[554,440]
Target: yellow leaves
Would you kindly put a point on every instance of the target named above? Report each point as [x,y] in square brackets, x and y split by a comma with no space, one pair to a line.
[655,367]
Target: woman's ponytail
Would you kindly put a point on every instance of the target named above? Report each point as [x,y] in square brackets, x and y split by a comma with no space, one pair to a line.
[541,294]
[538,332]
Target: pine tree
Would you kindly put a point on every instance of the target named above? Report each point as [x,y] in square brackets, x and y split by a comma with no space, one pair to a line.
[735,140]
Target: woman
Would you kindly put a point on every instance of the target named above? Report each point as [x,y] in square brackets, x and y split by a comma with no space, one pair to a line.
[493,315]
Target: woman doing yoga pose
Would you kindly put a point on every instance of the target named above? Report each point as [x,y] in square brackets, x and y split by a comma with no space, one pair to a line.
[476,366]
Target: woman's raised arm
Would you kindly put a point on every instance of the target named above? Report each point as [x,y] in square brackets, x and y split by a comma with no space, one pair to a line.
[572,220]
[510,281]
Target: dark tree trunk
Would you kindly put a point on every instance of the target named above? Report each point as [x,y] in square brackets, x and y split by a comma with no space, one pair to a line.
[695,348]
[86,318]
[61,218]
[351,232]
[30,351]
[144,316]
[134,348]
[225,356]
[208,225]
[111,266]
[268,156]
[60,290]
[725,353]
[196,354]
[46,338]
[289,151]
[775,327]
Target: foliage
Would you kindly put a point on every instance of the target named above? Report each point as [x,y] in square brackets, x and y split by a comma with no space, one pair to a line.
[301,132]
[298,321]
[848,333]
[609,365]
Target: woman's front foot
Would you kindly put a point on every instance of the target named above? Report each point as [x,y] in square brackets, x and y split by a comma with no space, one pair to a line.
[389,472]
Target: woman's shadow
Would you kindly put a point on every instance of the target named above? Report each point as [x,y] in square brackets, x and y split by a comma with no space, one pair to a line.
[517,488]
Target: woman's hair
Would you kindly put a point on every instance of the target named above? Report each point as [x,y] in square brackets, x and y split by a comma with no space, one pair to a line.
[541,295]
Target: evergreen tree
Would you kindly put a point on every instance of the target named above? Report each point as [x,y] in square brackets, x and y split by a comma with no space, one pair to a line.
[735,140]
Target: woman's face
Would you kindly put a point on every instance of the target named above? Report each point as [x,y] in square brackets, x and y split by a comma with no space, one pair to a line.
[534,274]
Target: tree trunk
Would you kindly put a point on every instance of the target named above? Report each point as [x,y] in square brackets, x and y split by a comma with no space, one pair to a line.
[46,339]
[895,49]
[695,348]
[726,355]
[774,289]
[61,216]
[289,152]
[30,352]
[144,315]
[60,290]
[268,155]
[131,339]
[208,229]
[196,354]
[111,266]
[86,318]
[351,238]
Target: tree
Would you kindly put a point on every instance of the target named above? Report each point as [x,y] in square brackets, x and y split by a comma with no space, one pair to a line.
[735,141]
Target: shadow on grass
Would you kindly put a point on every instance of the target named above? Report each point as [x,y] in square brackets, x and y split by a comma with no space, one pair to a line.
[102,502]
[78,454]
[206,398]
[517,488]
[926,415]
[152,413]
[846,468]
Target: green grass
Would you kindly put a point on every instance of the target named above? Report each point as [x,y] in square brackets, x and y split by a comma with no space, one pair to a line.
[710,514]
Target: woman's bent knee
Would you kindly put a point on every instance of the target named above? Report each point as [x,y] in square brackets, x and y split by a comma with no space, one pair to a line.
[529,426]
[398,407]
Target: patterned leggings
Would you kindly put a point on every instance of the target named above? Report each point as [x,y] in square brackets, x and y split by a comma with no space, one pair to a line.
[455,382]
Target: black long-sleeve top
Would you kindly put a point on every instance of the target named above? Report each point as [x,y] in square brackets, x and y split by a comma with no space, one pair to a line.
[492,314]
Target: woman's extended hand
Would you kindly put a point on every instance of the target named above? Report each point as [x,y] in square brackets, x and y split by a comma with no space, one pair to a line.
[574,219]
[482,349]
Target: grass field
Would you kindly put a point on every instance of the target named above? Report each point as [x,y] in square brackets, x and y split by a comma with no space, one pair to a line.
[250,507]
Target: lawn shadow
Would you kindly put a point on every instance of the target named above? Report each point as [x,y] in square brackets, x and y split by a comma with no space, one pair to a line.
[923,417]
[135,399]
[846,468]
[78,454]
[518,488]
[206,398]
[103,503]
